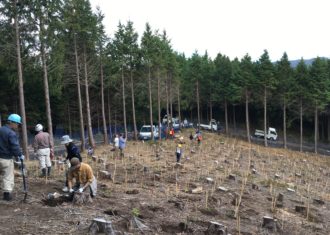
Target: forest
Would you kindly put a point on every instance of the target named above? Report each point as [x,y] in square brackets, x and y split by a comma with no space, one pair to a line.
[58,67]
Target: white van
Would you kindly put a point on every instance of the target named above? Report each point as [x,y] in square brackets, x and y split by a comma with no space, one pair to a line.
[145,132]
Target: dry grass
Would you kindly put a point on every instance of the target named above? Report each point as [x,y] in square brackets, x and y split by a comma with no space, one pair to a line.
[151,169]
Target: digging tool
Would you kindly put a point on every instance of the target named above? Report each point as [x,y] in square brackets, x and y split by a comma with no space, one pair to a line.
[24,181]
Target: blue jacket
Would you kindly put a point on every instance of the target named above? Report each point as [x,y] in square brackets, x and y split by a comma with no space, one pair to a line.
[9,145]
[72,151]
[122,143]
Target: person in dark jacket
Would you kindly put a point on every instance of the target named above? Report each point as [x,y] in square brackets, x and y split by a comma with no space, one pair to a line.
[9,148]
[72,151]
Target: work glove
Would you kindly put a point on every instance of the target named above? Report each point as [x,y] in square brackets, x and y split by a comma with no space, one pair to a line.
[68,163]
[71,190]
[21,158]
[80,190]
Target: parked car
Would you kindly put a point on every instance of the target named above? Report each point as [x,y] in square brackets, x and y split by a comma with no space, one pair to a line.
[145,132]
[271,133]
[213,125]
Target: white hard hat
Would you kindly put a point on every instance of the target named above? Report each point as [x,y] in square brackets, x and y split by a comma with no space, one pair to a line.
[65,139]
[38,127]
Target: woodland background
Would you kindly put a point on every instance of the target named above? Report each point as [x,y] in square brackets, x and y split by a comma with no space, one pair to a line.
[59,68]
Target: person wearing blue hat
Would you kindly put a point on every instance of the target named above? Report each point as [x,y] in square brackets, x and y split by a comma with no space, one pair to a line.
[9,148]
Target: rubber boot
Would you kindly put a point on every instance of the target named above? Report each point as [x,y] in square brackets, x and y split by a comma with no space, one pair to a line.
[7,196]
[49,170]
[43,172]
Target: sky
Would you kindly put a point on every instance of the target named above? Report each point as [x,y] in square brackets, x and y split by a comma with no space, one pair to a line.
[231,27]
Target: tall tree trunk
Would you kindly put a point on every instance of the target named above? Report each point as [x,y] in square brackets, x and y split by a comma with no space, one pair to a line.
[69,120]
[158,104]
[150,103]
[301,125]
[0,121]
[197,97]
[81,117]
[234,117]
[109,115]
[179,106]
[104,122]
[247,121]
[21,85]
[226,116]
[211,110]
[124,102]
[328,130]
[316,127]
[265,116]
[88,110]
[46,89]
[133,105]
[170,96]
[167,107]
[284,124]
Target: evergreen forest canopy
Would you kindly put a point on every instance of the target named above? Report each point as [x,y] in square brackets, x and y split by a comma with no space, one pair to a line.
[59,68]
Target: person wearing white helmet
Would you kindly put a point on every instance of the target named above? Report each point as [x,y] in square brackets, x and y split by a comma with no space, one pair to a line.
[42,146]
[9,148]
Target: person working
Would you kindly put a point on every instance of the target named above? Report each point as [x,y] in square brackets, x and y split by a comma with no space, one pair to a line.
[84,177]
[9,148]
[42,147]
[72,152]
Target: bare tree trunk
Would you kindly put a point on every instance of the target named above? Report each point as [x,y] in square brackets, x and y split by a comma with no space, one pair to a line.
[301,125]
[133,105]
[170,96]
[179,106]
[316,127]
[0,121]
[21,85]
[284,124]
[124,102]
[158,100]
[115,122]
[265,116]
[109,114]
[226,116]
[81,117]
[247,116]
[105,131]
[150,103]
[88,110]
[167,107]
[234,117]
[197,97]
[46,89]
[69,120]
[328,131]
[211,110]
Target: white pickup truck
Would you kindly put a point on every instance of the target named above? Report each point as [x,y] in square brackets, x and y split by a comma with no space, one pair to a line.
[211,126]
[271,134]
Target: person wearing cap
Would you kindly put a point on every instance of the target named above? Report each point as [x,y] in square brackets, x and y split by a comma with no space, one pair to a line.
[9,148]
[42,146]
[178,151]
[72,152]
[84,177]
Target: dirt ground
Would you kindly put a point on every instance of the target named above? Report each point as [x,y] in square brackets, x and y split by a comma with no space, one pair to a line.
[223,180]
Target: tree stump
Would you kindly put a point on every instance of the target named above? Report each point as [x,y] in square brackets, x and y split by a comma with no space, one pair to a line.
[82,198]
[105,175]
[216,228]
[100,225]
[269,222]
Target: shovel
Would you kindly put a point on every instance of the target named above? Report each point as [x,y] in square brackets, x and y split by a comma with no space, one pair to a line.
[24,181]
